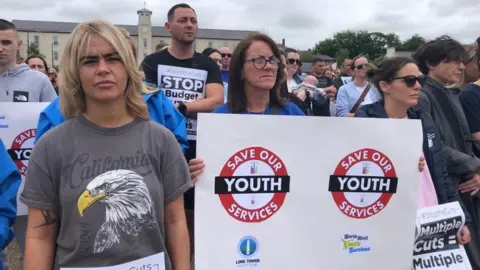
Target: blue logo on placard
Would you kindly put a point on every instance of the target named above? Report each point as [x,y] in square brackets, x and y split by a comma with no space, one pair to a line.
[248,246]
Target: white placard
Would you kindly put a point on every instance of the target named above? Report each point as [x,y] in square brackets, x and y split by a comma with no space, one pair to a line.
[185,85]
[275,195]
[153,262]
[18,127]
[346,80]
[436,245]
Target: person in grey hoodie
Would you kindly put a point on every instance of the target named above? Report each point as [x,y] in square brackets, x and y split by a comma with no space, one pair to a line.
[19,83]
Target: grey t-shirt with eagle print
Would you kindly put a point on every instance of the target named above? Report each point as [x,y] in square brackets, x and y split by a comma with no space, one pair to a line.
[109,187]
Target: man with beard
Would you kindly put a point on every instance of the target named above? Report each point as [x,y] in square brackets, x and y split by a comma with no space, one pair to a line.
[191,80]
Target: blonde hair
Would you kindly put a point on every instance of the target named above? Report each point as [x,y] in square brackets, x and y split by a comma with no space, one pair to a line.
[146,89]
[72,97]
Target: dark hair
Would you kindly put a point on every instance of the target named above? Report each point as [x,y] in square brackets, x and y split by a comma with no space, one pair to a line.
[290,50]
[237,99]
[208,51]
[387,70]
[171,12]
[6,25]
[316,60]
[39,57]
[441,49]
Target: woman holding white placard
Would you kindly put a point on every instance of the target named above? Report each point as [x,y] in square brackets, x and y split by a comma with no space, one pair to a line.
[256,74]
[105,188]
[399,81]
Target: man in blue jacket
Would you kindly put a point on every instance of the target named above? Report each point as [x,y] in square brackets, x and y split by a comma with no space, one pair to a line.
[10,180]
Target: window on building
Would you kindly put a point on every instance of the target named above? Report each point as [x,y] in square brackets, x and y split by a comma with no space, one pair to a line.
[36,40]
[225,44]
[210,44]
[145,43]
[55,56]
[55,42]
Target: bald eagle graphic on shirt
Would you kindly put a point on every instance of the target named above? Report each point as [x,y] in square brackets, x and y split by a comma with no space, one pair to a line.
[128,206]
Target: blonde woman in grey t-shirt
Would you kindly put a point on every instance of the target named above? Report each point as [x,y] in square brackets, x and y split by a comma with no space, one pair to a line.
[105,188]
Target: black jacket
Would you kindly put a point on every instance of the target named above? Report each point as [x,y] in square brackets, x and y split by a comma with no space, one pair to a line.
[445,109]
[433,149]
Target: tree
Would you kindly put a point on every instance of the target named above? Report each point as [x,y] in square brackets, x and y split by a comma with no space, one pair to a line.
[306,56]
[372,45]
[33,50]
[412,44]
[341,55]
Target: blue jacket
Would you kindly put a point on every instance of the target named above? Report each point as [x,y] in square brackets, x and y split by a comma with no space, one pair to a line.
[433,149]
[348,95]
[160,108]
[10,180]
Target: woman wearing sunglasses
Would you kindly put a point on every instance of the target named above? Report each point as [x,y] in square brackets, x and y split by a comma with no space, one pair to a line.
[399,81]
[293,65]
[256,74]
[358,92]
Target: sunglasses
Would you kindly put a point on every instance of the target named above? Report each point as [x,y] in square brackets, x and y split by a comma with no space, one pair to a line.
[229,55]
[261,62]
[293,61]
[361,66]
[411,80]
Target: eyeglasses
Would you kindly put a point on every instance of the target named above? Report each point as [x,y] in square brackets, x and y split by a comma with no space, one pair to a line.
[51,73]
[261,62]
[293,61]
[411,80]
[229,55]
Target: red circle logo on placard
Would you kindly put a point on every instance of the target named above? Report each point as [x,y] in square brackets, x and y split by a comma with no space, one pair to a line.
[21,149]
[253,184]
[363,183]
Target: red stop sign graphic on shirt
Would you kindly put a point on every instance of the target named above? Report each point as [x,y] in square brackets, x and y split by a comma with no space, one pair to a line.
[253,184]
[363,183]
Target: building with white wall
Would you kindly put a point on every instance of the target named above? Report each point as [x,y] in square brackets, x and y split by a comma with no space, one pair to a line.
[51,36]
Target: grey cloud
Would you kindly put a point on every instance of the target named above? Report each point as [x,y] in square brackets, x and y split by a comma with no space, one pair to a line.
[444,8]
[27,4]
[83,10]
[298,21]
[301,22]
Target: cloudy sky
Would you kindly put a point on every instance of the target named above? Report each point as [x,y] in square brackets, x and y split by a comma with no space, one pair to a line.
[301,22]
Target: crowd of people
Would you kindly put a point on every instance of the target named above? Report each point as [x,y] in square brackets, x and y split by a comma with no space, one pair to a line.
[105,108]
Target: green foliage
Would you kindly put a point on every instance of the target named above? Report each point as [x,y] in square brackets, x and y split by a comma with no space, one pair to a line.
[349,44]
[341,55]
[306,57]
[32,50]
[357,43]
[412,44]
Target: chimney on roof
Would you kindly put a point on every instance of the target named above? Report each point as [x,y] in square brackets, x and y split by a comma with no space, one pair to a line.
[283,41]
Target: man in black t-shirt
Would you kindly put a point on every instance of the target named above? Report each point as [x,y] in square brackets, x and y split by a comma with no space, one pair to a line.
[192,81]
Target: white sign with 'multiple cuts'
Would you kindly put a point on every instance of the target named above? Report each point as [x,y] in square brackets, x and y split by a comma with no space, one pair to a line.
[436,245]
